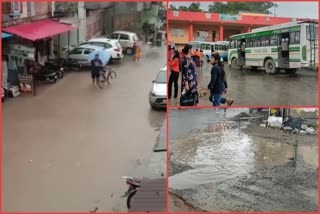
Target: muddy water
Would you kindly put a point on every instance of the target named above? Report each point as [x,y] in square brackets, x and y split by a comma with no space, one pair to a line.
[220,154]
[258,89]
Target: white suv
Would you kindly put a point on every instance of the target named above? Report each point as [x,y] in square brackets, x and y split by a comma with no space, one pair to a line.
[128,40]
[113,46]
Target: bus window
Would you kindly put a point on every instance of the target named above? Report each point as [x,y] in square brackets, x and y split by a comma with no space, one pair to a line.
[208,47]
[203,47]
[263,41]
[274,40]
[295,37]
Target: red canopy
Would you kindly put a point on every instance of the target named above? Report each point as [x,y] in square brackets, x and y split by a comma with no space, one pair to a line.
[38,29]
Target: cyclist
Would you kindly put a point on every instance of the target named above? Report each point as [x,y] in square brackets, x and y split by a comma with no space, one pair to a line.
[96,67]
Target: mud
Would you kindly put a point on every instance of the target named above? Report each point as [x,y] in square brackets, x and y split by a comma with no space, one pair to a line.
[255,88]
[66,149]
[221,168]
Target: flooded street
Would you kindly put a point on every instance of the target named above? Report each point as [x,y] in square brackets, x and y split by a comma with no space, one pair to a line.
[259,89]
[66,149]
[217,166]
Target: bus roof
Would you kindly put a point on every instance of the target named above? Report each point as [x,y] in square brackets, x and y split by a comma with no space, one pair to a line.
[270,30]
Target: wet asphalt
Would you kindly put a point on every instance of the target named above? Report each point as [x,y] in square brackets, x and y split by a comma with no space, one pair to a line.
[256,88]
[66,149]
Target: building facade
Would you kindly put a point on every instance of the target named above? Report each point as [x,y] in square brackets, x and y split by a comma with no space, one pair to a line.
[185,26]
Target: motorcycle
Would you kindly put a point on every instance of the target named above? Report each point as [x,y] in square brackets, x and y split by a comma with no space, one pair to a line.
[45,74]
[55,66]
[133,184]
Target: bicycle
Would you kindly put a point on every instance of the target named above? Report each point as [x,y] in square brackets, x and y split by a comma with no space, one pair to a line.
[106,74]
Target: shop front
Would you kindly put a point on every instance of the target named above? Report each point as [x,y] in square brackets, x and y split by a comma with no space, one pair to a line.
[30,46]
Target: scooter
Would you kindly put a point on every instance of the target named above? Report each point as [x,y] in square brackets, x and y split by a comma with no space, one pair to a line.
[45,74]
[55,66]
[133,184]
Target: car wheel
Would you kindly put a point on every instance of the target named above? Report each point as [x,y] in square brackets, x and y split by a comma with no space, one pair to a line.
[129,51]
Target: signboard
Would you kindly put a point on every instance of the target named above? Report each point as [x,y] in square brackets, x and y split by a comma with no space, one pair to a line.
[228,17]
[26,83]
[175,13]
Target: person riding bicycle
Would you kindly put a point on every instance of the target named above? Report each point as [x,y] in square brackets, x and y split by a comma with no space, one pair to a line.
[96,67]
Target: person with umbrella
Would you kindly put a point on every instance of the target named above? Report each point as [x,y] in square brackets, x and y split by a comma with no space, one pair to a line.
[96,67]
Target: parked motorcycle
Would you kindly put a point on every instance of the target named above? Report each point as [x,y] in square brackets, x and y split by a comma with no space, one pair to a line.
[45,74]
[55,66]
[133,184]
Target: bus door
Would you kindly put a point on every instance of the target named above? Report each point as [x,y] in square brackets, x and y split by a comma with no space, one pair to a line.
[283,51]
[242,52]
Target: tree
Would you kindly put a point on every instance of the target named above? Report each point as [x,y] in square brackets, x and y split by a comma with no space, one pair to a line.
[194,7]
[235,7]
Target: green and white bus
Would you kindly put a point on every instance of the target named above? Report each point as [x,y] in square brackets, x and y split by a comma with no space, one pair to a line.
[289,46]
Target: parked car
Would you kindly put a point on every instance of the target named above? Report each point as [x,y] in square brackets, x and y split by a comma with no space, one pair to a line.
[158,93]
[80,54]
[113,46]
[128,40]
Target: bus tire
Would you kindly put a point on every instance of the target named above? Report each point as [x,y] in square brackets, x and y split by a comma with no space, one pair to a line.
[270,66]
[234,63]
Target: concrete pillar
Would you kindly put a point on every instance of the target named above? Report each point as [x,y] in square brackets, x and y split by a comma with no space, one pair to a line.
[83,22]
[190,32]
[221,33]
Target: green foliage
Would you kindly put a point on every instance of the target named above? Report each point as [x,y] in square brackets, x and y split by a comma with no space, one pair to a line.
[235,7]
[193,7]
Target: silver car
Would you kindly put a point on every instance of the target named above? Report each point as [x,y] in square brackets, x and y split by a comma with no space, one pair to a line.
[158,93]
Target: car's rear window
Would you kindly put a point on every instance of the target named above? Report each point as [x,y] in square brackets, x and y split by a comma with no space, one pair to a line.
[162,77]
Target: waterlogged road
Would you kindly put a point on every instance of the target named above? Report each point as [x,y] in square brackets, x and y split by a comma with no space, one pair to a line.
[217,167]
[255,88]
[66,149]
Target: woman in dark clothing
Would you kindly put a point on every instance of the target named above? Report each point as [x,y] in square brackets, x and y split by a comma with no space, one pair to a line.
[218,83]
[174,64]
[189,74]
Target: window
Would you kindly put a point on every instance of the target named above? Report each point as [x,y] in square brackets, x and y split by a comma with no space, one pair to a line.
[124,36]
[16,6]
[77,51]
[175,32]
[265,41]
[274,40]
[314,32]
[295,37]
[113,36]
[257,42]
[203,47]
[88,51]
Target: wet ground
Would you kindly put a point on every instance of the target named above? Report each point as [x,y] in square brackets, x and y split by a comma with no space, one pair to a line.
[220,167]
[66,149]
[255,88]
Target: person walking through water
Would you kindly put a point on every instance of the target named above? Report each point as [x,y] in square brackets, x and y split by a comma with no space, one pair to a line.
[96,67]
[189,74]
[137,55]
[218,83]
[174,64]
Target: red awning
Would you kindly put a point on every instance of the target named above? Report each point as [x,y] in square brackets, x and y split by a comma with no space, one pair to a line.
[38,29]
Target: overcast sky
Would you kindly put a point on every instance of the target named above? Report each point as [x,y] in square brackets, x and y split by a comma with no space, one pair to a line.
[285,9]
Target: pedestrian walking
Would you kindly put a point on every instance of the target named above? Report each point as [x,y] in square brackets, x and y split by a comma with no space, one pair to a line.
[218,83]
[189,76]
[137,55]
[174,64]
[96,67]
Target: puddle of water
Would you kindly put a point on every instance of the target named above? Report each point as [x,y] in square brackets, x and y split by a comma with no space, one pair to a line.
[307,156]
[219,153]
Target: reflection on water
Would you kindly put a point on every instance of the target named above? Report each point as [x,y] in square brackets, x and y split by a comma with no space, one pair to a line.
[219,153]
